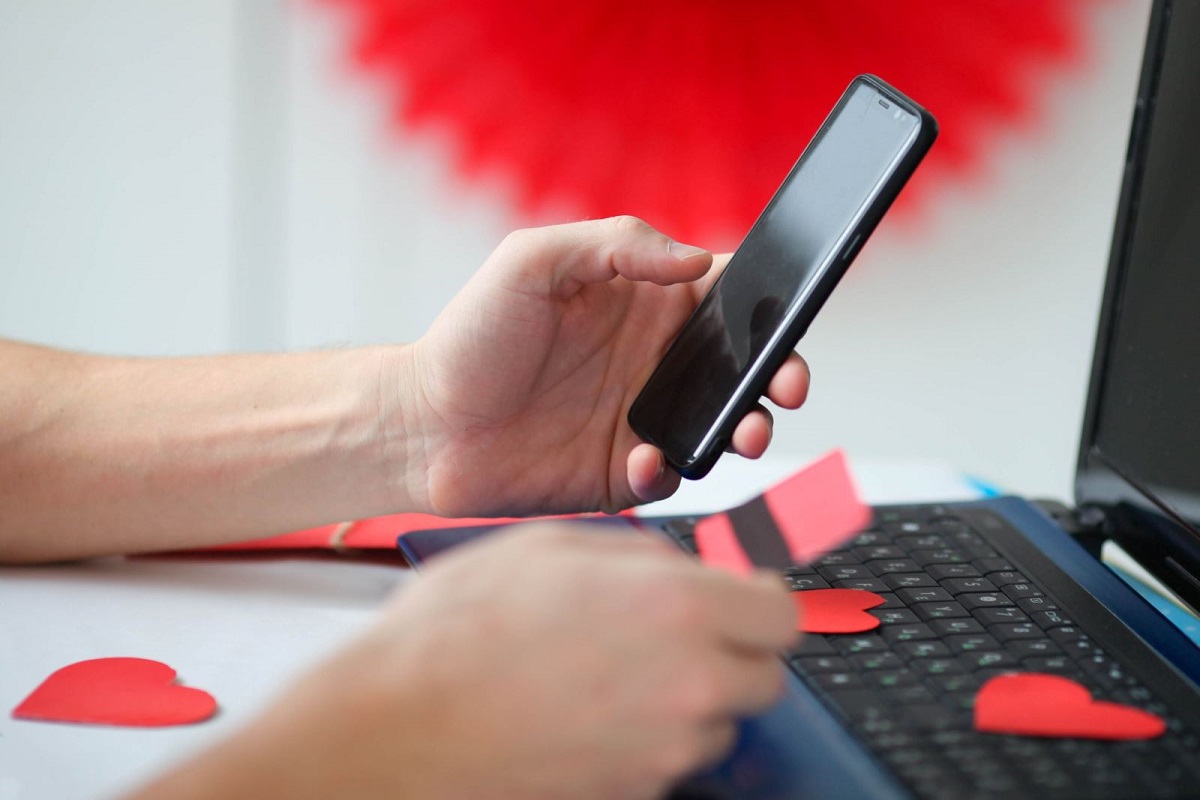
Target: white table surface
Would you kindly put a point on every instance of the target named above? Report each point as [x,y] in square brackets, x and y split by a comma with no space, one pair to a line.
[242,626]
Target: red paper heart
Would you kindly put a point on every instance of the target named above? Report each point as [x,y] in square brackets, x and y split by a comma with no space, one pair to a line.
[836,610]
[116,691]
[1034,704]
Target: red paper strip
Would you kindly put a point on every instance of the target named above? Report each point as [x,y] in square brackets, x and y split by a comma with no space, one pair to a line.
[815,511]
[818,509]
[132,692]
[311,538]
[718,545]
[1036,704]
[836,610]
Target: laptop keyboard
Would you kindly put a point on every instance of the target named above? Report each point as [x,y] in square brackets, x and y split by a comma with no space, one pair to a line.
[957,613]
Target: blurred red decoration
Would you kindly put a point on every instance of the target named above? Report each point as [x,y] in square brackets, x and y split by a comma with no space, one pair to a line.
[689,113]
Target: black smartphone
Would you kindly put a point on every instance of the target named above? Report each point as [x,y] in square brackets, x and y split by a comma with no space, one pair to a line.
[719,365]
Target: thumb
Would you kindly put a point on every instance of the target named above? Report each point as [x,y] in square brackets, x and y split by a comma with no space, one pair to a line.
[560,259]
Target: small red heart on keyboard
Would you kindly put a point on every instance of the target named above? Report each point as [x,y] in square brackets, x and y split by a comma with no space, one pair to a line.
[836,610]
[116,691]
[1034,704]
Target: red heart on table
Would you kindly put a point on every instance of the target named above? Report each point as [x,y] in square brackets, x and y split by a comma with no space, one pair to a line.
[1034,704]
[836,610]
[116,691]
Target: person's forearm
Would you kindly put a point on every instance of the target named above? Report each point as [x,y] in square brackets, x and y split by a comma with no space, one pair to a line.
[363,724]
[106,455]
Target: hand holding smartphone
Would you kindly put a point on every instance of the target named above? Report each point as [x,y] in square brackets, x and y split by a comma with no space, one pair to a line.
[719,365]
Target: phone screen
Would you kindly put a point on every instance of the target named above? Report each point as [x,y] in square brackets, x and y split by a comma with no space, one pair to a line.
[800,234]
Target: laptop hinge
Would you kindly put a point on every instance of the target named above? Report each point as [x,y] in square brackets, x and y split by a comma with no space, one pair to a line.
[1086,524]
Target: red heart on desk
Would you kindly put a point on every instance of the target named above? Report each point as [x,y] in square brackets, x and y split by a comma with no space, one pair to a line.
[116,691]
[1035,704]
[836,610]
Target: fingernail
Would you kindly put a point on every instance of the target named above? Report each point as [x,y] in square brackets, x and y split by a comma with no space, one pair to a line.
[683,252]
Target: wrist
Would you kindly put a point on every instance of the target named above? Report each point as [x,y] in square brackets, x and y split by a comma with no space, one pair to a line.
[406,437]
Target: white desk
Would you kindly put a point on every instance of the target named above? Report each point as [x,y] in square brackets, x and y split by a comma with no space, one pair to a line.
[242,626]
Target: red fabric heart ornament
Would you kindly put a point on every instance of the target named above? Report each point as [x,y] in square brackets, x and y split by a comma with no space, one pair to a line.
[836,610]
[1034,704]
[135,692]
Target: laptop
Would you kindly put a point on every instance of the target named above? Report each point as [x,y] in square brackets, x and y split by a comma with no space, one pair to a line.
[984,588]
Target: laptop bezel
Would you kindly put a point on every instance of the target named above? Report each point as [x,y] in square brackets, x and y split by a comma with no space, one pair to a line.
[1149,529]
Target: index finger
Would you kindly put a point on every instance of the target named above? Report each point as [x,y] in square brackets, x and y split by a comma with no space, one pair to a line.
[719,262]
[755,613]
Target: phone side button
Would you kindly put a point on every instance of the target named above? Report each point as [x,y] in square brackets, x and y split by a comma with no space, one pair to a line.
[852,249]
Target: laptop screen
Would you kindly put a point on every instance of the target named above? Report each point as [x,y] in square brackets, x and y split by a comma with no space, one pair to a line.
[1140,452]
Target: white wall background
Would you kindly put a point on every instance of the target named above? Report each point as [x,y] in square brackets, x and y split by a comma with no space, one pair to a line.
[204,175]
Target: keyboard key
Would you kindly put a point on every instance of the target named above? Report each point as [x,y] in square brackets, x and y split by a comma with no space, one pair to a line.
[799,583]
[924,542]
[983,600]
[991,616]
[864,584]
[949,627]
[978,551]
[961,585]
[869,537]
[1031,604]
[894,565]
[944,555]
[917,693]
[894,616]
[936,666]
[971,642]
[1077,648]
[940,572]
[931,611]
[965,536]
[859,704]
[838,680]
[1066,634]
[891,679]
[1050,619]
[1006,632]
[815,664]
[842,572]
[1003,576]
[1058,665]
[923,595]
[914,632]
[988,659]
[1016,591]
[851,645]
[869,662]
[890,601]
[907,527]
[955,682]
[837,559]
[922,649]
[928,716]
[1033,647]
[873,552]
[908,581]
